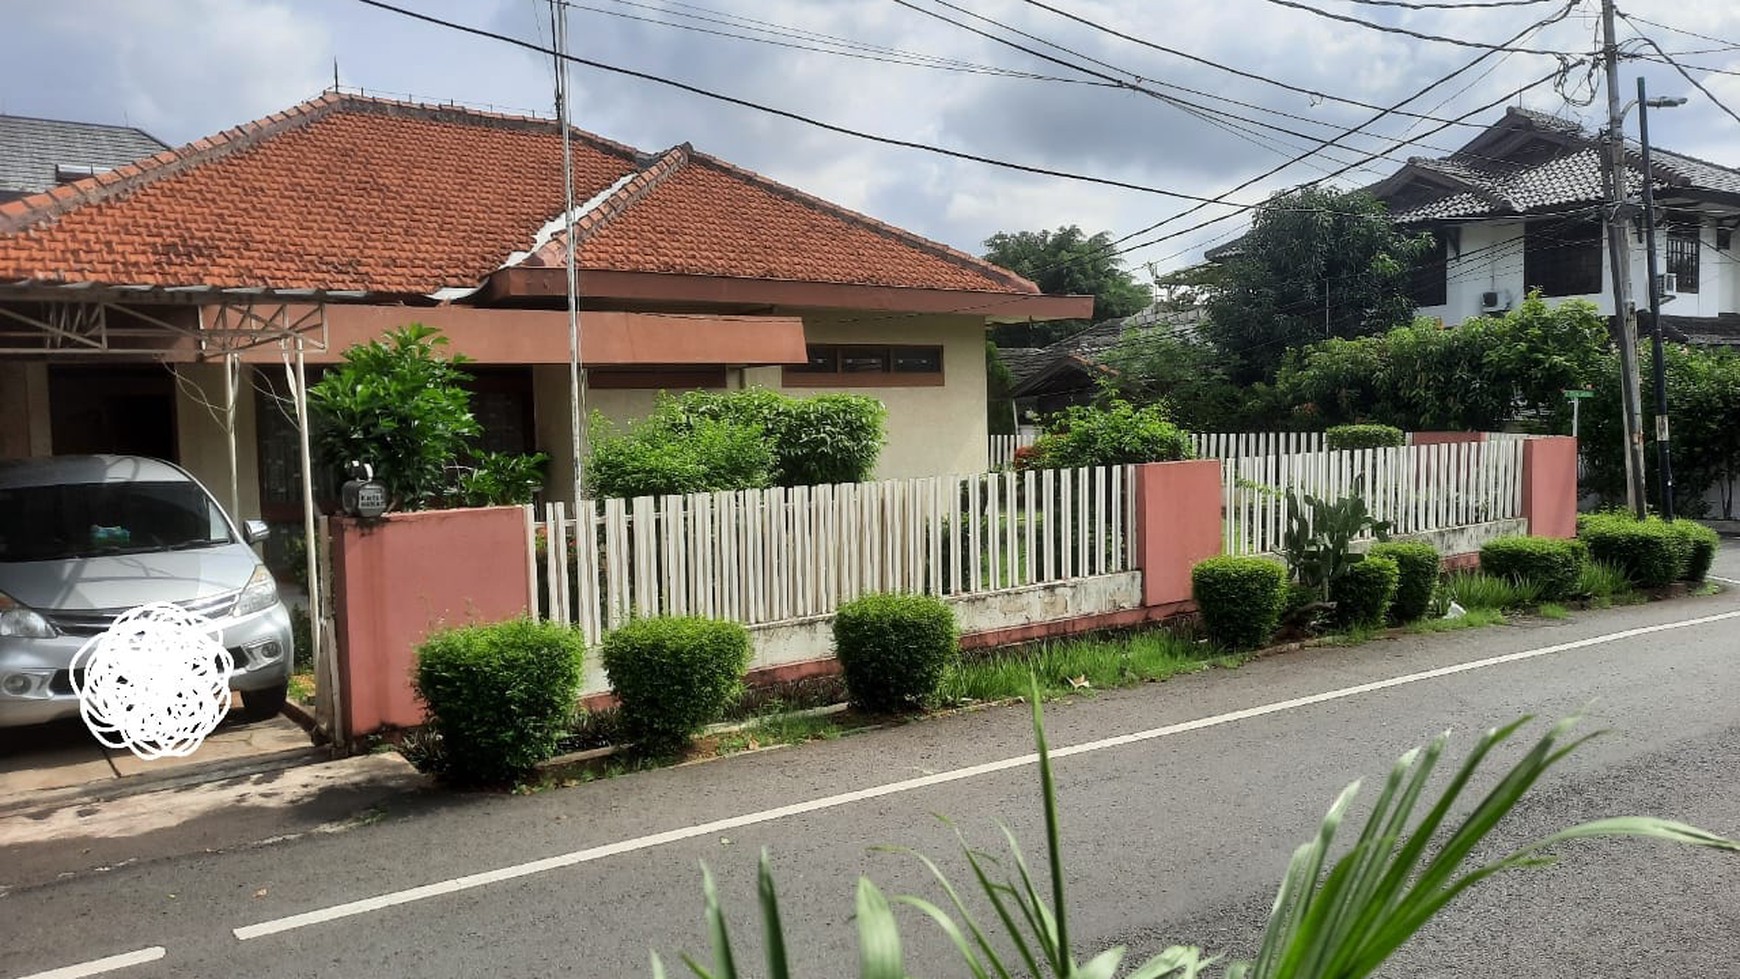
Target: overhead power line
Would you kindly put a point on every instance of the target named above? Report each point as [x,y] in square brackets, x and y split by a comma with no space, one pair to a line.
[1438,38]
[1469,5]
[1718,103]
[788,114]
[1253,76]
[1634,20]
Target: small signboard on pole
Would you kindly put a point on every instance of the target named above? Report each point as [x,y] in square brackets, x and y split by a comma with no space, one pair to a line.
[1576,396]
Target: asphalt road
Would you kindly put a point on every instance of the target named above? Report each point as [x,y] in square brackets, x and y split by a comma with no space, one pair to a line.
[1180,836]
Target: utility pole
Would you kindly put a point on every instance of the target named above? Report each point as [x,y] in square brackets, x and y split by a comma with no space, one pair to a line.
[576,370]
[1619,262]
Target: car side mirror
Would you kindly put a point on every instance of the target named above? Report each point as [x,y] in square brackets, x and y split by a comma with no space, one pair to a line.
[255,531]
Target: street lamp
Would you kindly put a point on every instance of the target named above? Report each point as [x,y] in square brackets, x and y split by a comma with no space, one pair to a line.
[1664,468]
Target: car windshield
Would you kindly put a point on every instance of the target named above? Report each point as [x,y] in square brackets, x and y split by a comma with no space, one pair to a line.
[49,523]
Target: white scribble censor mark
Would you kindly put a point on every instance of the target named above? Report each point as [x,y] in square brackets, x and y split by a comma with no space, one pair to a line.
[156,683]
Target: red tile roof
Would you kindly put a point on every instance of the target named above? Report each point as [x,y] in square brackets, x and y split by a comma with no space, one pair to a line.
[352,193]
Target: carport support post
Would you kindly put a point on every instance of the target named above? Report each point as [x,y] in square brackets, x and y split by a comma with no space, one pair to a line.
[326,671]
[231,367]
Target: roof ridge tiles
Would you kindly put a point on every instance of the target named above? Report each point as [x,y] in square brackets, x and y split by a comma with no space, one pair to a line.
[973,262]
[653,171]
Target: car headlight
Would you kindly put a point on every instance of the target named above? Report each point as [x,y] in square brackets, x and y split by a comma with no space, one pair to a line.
[18,619]
[260,593]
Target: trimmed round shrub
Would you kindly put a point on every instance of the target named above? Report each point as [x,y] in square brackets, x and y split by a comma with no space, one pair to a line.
[1417,567]
[1364,437]
[1549,563]
[1363,593]
[1701,543]
[673,675]
[893,649]
[1648,551]
[1240,599]
[500,696]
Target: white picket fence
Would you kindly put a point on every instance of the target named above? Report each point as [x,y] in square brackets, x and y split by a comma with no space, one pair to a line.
[1417,488]
[779,555]
[1003,448]
[1246,445]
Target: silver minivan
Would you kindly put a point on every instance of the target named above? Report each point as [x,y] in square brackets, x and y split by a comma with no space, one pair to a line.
[85,538]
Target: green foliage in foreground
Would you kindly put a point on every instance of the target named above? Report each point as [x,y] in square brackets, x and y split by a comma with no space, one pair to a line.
[1342,918]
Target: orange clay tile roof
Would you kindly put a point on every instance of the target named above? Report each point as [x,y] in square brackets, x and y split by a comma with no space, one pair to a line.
[351,193]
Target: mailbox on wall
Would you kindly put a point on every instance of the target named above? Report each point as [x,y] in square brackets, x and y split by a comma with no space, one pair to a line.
[363,495]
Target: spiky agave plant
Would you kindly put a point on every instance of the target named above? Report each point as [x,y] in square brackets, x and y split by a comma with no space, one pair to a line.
[1339,924]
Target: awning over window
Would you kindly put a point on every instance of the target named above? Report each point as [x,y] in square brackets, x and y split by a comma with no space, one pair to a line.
[607,339]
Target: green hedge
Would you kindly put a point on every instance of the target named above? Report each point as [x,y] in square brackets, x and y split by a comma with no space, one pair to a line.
[1364,437]
[1550,563]
[672,676]
[1240,599]
[499,696]
[1701,543]
[1417,564]
[1649,551]
[1363,593]
[893,649]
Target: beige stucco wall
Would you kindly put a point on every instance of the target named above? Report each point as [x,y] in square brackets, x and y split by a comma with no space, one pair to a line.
[931,430]
[204,448]
[24,425]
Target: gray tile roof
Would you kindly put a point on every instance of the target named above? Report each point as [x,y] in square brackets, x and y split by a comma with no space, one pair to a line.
[1559,180]
[31,150]
[1022,362]
[1722,330]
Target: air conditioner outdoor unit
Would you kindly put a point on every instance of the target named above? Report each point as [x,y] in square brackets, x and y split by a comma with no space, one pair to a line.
[1491,301]
[1670,282]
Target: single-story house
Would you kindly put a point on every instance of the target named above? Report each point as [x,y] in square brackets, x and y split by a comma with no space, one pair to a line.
[124,295]
[1071,370]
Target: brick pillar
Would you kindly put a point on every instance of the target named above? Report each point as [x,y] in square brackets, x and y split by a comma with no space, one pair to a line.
[1178,523]
[1549,486]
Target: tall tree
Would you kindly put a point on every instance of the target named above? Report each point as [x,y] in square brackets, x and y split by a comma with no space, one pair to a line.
[1065,262]
[1317,263]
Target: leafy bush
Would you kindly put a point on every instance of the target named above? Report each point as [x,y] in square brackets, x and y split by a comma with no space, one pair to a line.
[499,696]
[1549,563]
[1240,599]
[652,459]
[673,675]
[1417,565]
[1116,435]
[1363,594]
[1700,543]
[893,649]
[829,438]
[707,441]
[1650,553]
[501,479]
[1364,437]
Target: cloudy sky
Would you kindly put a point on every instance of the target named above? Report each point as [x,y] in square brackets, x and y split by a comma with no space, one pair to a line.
[183,68]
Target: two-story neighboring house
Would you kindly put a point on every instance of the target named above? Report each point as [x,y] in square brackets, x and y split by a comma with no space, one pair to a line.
[1520,206]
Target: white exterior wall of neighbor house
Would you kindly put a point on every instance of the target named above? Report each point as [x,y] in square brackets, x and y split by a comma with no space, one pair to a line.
[1491,260]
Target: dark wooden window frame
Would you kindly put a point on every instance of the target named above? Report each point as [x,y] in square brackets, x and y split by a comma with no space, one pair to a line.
[1429,282]
[1562,256]
[1680,255]
[830,366]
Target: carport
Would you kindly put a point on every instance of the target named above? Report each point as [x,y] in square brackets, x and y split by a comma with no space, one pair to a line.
[91,322]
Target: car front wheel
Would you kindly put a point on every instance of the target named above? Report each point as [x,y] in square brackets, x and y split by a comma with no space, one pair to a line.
[263,705]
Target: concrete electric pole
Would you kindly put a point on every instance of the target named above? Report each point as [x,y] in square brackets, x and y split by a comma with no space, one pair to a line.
[1619,262]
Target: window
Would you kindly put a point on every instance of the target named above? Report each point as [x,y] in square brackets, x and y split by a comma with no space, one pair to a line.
[1562,257]
[867,365]
[1428,284]
[1680,258]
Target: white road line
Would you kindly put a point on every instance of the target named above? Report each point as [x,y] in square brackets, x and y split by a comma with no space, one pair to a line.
[97,967]
[1725,581]
[590,854]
